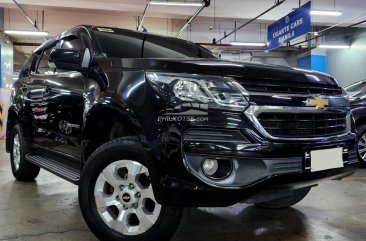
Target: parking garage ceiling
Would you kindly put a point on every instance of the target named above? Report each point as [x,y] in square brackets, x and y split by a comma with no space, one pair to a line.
[213,22]
[233,9]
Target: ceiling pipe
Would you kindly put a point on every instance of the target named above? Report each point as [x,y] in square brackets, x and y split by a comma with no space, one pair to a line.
[243,47]
[205,3]
[144,15]
[28,17]
[324,34]
[27,44]
[346,21]
[277,3]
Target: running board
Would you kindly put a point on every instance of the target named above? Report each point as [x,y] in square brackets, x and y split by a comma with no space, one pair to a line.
[65,169]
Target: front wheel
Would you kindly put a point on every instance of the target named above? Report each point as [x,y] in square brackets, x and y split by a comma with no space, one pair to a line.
[21,168]
[285,202]
[117,199]
[361,136]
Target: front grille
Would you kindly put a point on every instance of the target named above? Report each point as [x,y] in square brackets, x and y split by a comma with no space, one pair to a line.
[287,87]
[303,125]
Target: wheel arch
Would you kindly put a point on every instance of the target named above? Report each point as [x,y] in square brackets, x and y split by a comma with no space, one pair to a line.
[359,117]
[111,122]
[360,122]
[13,116]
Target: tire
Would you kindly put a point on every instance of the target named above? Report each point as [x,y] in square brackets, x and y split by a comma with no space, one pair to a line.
[361,145]
[22,169]
[285,202]
[106,182]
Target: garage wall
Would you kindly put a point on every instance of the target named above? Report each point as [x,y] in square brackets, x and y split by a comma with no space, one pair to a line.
[348,66]
[200,31]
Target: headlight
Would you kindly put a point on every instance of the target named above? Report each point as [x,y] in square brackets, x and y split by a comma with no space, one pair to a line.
[217,92]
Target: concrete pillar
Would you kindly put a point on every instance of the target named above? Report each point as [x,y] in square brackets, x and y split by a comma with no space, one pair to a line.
[314,60]
[6,74]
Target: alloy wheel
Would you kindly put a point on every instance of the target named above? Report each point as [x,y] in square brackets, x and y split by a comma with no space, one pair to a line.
[124,198]
[16,151]
[362,147]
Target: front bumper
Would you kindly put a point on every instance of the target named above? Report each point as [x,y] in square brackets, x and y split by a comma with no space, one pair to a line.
[257,167]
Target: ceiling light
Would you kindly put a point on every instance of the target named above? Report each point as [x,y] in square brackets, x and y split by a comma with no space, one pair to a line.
[28,33]
[187,4]
[324,46]
[248,44]
[325,13]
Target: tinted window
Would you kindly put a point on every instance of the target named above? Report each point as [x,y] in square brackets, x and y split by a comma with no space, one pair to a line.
[30,64]
[43,65]
[119,43]
[33,64]
[163,47]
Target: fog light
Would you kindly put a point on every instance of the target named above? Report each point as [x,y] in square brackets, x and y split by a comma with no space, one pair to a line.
[210,167]
[217,169]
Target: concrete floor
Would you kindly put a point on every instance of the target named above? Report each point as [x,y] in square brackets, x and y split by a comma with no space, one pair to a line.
[48,210]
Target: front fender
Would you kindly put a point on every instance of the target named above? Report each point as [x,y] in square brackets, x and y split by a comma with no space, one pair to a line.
[359,117]
[13,116]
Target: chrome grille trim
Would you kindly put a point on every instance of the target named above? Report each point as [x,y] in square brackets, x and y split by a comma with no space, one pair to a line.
[289,87]
[287,125]
[254,111]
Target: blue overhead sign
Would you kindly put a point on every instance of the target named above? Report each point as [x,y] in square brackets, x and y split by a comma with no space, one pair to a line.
[292,26]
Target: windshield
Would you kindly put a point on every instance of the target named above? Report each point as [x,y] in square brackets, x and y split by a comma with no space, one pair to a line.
[120,43]
[356,90]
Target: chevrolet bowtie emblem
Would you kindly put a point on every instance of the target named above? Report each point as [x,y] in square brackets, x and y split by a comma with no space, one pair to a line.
[318,102]
[126,198]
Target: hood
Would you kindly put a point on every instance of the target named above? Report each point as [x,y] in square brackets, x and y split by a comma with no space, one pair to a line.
[245,70]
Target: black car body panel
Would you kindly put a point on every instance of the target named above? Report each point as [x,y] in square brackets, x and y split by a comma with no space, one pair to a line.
[73,112]
[358,103]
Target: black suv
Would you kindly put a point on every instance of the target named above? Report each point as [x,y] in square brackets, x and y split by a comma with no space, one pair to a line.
[147,125]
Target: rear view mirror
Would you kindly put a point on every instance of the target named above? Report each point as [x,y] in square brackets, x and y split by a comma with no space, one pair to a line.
[66,59]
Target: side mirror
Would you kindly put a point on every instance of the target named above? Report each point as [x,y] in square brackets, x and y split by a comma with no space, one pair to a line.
[66,59]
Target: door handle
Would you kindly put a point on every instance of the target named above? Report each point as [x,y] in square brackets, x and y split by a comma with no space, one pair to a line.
[47,88]
[24,88]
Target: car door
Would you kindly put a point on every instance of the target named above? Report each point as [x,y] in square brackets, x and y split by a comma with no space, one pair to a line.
[32,91]
[64,102]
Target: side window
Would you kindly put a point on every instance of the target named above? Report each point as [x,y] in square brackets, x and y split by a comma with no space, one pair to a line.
[34,61]
[43,65]
[29,64]
[29,61]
